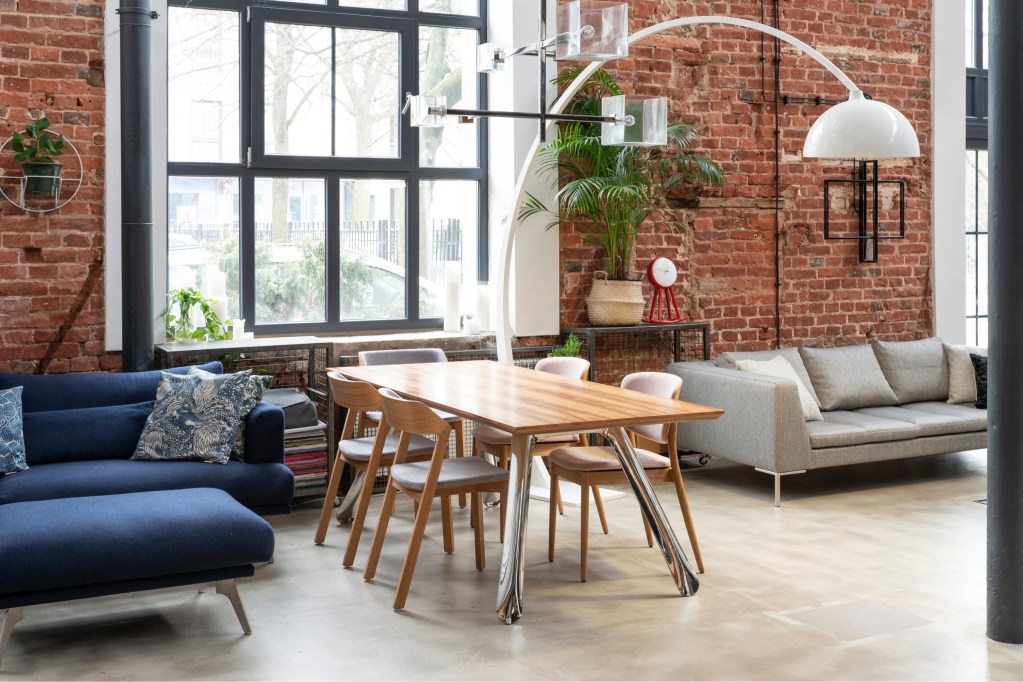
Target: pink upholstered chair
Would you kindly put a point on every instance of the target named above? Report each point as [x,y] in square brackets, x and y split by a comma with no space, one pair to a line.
[590,467]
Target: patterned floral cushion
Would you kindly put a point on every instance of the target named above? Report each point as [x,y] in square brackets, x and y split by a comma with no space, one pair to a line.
[194,418]
[257,387]
[12,438]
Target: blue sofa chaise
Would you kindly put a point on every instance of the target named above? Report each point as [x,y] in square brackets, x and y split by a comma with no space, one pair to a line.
[85,521]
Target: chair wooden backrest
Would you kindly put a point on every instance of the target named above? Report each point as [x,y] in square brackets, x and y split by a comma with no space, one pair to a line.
[411,416]
[355,396]
[401,356]
[660,384]
[574,368]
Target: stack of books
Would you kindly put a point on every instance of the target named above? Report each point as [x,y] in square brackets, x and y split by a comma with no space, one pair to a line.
[305,453]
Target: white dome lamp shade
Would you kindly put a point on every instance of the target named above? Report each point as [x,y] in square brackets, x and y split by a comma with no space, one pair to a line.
[861,128]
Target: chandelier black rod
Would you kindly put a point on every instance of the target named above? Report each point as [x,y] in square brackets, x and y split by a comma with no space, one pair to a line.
[486,113]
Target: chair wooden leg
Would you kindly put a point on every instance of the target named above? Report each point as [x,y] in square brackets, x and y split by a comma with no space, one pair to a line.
[458,429]
[386,509]
[646,527]
[600,508]
[504,496]
[414,543]
[553,516]
[477,513]
[561,506]
[328,502]
[683,503]
[584,503]
[359,522]
[445,513]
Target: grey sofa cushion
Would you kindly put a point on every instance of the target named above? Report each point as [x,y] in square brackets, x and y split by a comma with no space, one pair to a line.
[962,381]
[847,378]
[842,428]
[916,370]
[729,360]
[931,421]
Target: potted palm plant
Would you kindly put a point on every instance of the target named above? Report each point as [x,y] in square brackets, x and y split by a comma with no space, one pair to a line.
[610,191]
[35,148]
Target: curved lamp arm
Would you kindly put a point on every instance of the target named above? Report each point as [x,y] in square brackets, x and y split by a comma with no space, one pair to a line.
[504,331]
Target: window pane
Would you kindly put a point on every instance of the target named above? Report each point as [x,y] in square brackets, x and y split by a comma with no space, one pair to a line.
[982,190]
[982,269]
[985,15]
[372,278]
[376,4]
[290,244]
[297,90]
[971,190]
[971,275]
[982,332]
[203,86]
[447,59]
[971,46]
[368,93]
[202,238]
[448,222]
[467,7]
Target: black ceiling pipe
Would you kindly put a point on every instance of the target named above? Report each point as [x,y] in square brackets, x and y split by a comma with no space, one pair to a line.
[1005,383]
[136,186]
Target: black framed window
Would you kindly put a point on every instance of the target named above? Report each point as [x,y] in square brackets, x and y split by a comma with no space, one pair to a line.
[976,188]
[296,190]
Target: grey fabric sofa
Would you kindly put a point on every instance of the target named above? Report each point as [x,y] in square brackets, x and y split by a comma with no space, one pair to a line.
[764,424]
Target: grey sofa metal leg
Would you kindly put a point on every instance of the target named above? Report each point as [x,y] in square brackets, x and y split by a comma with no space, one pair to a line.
[229,588]
[11,617]
[777,481]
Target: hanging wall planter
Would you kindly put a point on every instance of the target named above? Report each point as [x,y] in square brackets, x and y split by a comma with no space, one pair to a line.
[42,179]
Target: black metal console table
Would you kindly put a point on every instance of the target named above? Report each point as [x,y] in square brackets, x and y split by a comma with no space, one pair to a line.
[614,352]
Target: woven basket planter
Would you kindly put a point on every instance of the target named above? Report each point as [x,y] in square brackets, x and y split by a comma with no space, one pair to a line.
[614,303]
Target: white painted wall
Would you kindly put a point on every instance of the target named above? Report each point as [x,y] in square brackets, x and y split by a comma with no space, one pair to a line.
[948,194]
[112,255]
[535,300]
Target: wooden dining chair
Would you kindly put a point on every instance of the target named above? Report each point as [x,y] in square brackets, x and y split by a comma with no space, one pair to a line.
[589,467]
[496,442]
[365,455]
[401,356]
[441,476]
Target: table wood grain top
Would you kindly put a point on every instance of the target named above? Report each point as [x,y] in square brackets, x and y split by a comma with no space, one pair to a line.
[524,401]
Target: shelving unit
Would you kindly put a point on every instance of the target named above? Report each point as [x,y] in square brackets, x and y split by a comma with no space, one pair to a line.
[614,352]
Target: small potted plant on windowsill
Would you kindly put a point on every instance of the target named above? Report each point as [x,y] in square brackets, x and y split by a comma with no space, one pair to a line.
[182,305]
[35,148]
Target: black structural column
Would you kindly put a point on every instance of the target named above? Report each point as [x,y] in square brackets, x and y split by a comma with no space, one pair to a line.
[1005,325]
[136,186]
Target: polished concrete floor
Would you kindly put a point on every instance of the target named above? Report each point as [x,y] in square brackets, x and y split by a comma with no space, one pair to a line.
[872,572]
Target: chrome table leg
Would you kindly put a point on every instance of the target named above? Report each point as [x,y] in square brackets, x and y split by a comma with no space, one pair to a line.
[509,591]
[683,574]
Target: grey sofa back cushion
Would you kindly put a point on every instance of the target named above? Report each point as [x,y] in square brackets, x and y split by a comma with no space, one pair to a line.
[916,370]
[729,360]
[847,378]
[962,381]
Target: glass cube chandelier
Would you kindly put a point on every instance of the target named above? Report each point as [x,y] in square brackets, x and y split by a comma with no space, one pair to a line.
[586,30]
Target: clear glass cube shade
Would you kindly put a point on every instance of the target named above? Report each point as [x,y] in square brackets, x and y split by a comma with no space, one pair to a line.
[589,30]
[649,116]
[489,58]
[419,108]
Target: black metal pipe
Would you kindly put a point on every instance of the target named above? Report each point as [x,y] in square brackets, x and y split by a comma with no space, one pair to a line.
[1005,327]
[137,317]
[480,113]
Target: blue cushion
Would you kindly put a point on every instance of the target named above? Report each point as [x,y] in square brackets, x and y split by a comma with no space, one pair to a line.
[70,391]
[88,540]
[109,432]
[12,441]
[195,417]
[258,486]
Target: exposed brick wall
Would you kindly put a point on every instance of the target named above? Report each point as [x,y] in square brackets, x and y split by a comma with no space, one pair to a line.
[712,76]
[51,264]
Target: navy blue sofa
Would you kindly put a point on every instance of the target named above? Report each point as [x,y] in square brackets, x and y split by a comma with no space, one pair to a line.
[80,430]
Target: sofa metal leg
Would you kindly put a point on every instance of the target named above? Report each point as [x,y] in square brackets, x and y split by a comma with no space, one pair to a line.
[11,617]
[777,481]
[229,588]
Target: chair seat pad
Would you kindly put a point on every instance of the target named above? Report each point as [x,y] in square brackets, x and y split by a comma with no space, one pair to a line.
[375,415]
[603,459]
[454,471]
[492,435]
[359,449]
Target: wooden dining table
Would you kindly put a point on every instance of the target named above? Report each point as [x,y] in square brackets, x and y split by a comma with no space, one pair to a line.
[527,404]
